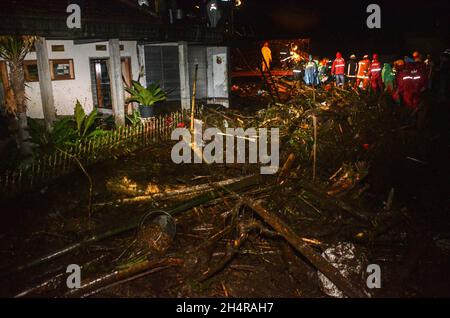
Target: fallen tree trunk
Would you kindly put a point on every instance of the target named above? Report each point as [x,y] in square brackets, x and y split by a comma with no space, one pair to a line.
[121,275]
[173,193]
[201,199]
[315,258]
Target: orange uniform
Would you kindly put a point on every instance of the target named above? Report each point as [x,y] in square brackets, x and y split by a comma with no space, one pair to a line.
[363,72]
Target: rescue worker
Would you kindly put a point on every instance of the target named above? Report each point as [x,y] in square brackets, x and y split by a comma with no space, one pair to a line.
[399,65]
[338,69]
[363,72]
[323,71]
[376,82]
[430,70]
[329,67]
[417,57]
[412,83]
[388,77]
[267,57]
[352,70]
[310,77]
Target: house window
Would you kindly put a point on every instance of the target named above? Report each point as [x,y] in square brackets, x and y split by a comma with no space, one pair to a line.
[57,48]
[100,47]
[31,71]
[164,69]
[62,69]
[59,70]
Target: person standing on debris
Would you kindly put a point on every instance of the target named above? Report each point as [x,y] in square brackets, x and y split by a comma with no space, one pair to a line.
[322,71]
[363,70]
[417,57]
[267,57]
[430,69]
[388,77]
[338,69]
[352,70]
[310,77]
[398,66]
[375,75]
[412,83]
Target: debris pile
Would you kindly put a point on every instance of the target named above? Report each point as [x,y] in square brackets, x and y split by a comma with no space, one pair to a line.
[307,222]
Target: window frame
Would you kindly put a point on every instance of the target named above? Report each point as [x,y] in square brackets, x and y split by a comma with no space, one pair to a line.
[27,77]
[55,77]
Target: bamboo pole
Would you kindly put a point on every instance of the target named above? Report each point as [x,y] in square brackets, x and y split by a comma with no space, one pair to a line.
[314,147]
[194,93]
[121,275]
[134,223]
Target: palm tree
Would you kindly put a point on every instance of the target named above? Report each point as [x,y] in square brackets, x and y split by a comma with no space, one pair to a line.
[13,49]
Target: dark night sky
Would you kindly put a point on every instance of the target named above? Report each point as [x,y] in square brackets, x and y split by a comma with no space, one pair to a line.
[341,25]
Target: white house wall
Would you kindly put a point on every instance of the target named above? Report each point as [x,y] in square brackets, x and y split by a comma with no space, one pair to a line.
[66,92]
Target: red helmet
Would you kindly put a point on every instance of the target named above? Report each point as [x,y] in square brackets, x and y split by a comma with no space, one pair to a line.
[375,56]
[338,55]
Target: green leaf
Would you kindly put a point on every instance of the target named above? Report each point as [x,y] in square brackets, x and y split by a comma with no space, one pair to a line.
[145,96]
[79,116]
[89,121]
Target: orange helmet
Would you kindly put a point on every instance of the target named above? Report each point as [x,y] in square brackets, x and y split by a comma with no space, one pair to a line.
[416,54]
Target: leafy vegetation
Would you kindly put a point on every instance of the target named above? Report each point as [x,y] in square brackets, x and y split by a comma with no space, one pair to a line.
[66,131]
[145,96]
[134,119]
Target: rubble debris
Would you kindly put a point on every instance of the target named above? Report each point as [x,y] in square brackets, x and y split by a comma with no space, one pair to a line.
[156,231]
[350,262]
[226,235]
[201,199]
[318,261]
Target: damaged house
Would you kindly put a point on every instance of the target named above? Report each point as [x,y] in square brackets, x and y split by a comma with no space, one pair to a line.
[114,43]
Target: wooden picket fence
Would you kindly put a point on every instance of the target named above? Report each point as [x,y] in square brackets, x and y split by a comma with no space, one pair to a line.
[41,171]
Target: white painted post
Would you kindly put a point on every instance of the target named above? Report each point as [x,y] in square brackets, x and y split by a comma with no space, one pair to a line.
[45,82]
[117,88]
[185,92]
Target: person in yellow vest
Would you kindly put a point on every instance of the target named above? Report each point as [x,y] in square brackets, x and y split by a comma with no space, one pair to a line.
[267,56]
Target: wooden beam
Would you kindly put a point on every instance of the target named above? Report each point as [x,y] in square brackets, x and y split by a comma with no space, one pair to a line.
[117,87]
[45,82]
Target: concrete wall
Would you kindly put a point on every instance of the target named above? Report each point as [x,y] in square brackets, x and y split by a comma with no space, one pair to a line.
[66,92]
[218,75]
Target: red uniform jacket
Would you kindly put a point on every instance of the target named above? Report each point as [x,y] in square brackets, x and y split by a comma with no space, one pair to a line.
[412,79]
[338,67]
[375,69]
